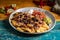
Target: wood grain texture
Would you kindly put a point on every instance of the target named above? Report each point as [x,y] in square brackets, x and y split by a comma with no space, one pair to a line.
[25,3]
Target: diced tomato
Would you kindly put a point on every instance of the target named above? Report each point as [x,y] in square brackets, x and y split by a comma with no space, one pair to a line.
[40,14]
[43,14]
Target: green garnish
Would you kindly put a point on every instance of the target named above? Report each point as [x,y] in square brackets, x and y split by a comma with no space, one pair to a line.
[2,10]
[47,20]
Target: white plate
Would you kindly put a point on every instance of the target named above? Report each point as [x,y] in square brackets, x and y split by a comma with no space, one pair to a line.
[34,8]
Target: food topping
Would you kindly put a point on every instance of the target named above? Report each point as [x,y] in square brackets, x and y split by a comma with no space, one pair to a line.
[33,23]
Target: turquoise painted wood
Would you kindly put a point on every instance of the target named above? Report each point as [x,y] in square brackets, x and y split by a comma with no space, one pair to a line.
[8,33]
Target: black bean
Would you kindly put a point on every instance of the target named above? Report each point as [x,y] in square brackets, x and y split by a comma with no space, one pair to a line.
[34,19]
[35,25]
[20,21]
[20,16]
[24,19]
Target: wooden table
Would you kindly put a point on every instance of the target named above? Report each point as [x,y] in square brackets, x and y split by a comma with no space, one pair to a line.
[26,3]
